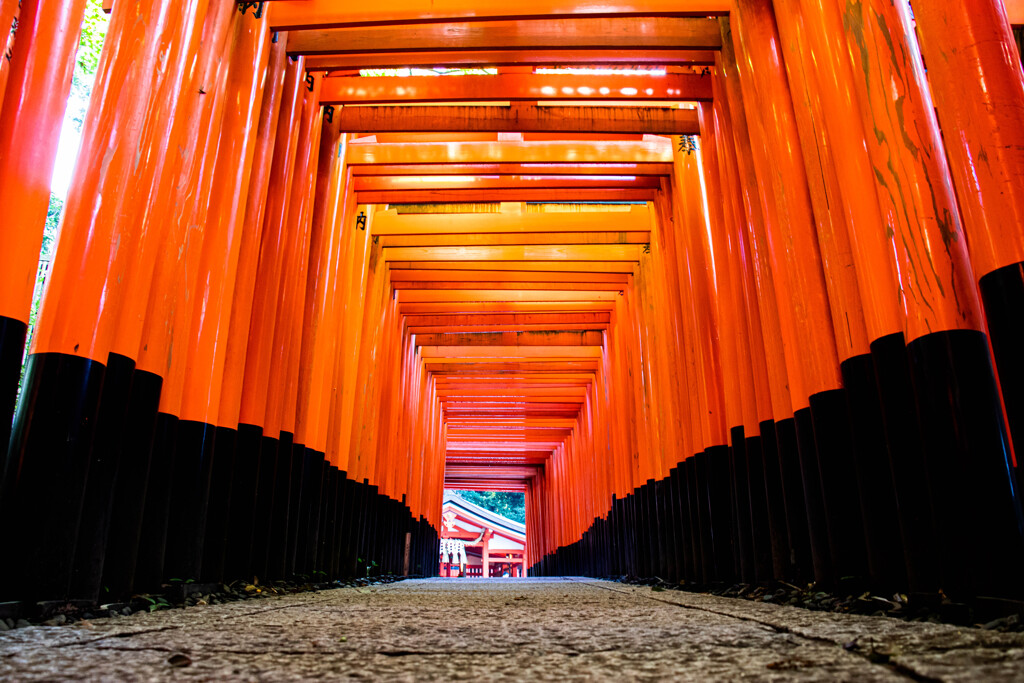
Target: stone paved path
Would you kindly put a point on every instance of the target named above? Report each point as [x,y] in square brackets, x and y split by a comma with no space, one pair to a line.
[532,629]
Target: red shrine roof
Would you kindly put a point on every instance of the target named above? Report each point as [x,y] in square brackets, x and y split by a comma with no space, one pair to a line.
[469,517]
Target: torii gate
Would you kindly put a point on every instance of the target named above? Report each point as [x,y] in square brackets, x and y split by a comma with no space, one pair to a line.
[722,285]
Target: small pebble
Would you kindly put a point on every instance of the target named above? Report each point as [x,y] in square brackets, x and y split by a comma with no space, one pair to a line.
[179,660]
[21,623]
[995,623]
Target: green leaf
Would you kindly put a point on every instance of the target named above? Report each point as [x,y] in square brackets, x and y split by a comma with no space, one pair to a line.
[508,504]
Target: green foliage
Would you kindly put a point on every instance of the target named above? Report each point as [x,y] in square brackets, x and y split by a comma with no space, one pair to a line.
[505,503]
[53,215]
[94,31]
[87,60]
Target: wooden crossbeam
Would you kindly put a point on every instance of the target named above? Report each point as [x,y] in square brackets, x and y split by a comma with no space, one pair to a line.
[574,267]
[545,33]
[575,252]
[508,319]
[501,58]
[417,183]
[508,151]
[555,195]
[514,295]
[295,14]
[581,338]
[520,118]
[515,87]
[491,367]
[468,277]
[568,238]
[399,170]
[506,307]
[487,285]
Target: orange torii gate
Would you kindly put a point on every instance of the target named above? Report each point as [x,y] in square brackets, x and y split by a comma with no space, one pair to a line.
[716,283]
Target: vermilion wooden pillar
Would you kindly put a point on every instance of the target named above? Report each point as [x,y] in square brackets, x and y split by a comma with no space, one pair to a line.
[784,485]
[163,347]
[9,14]
[967,459]
[704,300]
[768,512]
[740,402]
[131,396]
[216,278]
[281,397]
[314,374]
[248,439]
[34,86]
[274,455]
[804,309]
[54,432]
[975,72]
[833,141]
[858,447]
[885,374]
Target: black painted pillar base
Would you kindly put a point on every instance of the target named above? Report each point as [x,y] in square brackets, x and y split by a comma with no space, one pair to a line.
[885,560]
[265,493]
[245,477]
[641,530]
[190,495]
[353,499]
[740,475]
[689,468]
[327,561]
[814,499]
[783,557]
[308,522]
[295,505]
[277,544]
[721,507]
[800,565]
[12,347]
[223,487]
[906,461]
[149,572]
[840,486]
[47,470]
[680,523]
[342,527]
[323,516]
[701,489]
[1002,292]
[104,464]
[760,514]
[132,487]
[977,514]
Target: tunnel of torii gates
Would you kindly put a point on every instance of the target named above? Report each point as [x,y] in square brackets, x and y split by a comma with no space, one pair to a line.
[731,289]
